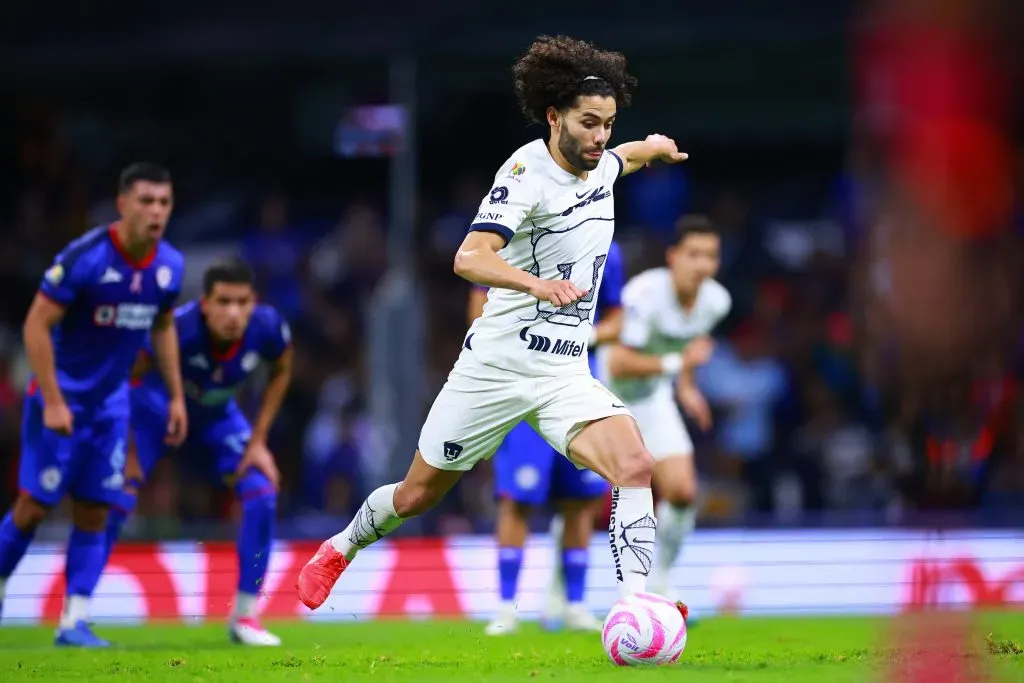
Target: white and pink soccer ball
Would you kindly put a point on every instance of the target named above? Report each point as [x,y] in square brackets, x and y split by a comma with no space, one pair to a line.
[644,629]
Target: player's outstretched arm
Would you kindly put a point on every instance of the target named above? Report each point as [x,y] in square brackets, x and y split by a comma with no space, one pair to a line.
[625,362]
[636,155]
[477,260]
[143,365]
[273,395]
[42,316]
[691,398]
[165,347]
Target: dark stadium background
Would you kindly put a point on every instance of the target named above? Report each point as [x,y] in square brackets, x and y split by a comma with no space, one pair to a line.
[880,279]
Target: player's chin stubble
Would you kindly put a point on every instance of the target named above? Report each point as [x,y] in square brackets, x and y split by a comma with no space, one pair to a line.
[572,150]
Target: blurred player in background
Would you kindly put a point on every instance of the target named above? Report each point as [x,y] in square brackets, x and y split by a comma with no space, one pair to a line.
[529,473]
[540,242]
[224,338]
[668,313]
[94,309]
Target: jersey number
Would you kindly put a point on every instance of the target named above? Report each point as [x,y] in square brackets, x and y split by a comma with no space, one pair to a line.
[566,270]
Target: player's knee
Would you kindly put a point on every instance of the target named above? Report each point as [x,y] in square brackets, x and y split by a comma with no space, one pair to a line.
[633,467]
[414,499]
[513,509]
[681,494]
[28,513]
[89,516]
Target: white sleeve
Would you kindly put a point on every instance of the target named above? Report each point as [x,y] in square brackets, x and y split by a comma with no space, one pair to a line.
[636,317]
[509,203]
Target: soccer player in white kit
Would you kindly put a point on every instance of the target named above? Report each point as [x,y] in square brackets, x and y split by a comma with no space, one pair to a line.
[539,242]
[668,313]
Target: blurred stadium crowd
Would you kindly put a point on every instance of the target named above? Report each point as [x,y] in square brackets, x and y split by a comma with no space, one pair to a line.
[830,403]
[807,416]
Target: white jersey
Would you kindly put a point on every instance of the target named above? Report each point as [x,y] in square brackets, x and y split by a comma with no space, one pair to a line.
[655,323]
[556,226]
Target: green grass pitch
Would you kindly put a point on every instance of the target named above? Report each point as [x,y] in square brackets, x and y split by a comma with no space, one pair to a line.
[790,650]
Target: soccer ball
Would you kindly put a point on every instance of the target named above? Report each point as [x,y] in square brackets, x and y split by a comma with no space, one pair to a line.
[644,629]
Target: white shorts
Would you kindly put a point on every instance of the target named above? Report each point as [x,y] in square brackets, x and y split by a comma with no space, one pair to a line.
[662,426]
[480,404]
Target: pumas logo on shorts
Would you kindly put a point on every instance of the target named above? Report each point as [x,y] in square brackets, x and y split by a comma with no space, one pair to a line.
[452,451]
[560,347]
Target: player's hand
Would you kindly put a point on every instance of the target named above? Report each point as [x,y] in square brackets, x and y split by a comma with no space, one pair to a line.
[557,292]
[694,404]
[259,456]
[177,424]
[665,149]
[698,352]
[59,418]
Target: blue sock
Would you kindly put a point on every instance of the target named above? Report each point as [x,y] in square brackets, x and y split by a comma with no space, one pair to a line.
[116,518]
[13,544]
[254,539]
[574,571]
[510,561]
[87,554]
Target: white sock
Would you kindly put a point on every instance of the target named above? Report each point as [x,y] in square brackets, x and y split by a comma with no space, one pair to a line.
[674,526]
[3,583]
[245,605]
[376,518]
[557,578]
[631,534]
[76,609]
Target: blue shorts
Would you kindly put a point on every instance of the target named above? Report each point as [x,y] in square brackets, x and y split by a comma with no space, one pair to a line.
[529,471]
[220,440]
[88,465]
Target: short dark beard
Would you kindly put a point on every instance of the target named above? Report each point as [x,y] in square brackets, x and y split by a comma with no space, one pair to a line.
[572,150]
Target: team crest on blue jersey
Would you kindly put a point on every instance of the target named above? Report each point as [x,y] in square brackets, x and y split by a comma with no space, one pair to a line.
[163,277]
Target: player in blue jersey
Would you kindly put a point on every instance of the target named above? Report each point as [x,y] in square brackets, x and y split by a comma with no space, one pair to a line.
[224,337]
[529,473]
[95,307]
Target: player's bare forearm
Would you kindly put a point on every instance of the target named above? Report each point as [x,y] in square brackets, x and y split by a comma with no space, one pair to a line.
[639,153]
[168,360]
[143,364]
[273,396]
[477,260]
[607,331]
[41,318]
[625,362]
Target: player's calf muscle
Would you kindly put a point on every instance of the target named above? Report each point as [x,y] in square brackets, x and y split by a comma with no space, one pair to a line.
[614,449]
[424,486]
[676,481]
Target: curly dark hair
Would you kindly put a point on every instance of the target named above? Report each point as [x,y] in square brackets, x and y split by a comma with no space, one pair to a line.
[558,69]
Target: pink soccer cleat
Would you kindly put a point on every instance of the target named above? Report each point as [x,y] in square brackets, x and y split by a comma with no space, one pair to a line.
[319,575]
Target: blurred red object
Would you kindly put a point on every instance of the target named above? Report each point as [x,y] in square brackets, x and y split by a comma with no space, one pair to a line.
[931,89]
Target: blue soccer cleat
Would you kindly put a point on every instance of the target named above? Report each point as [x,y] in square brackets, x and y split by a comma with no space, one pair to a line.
[79,636]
